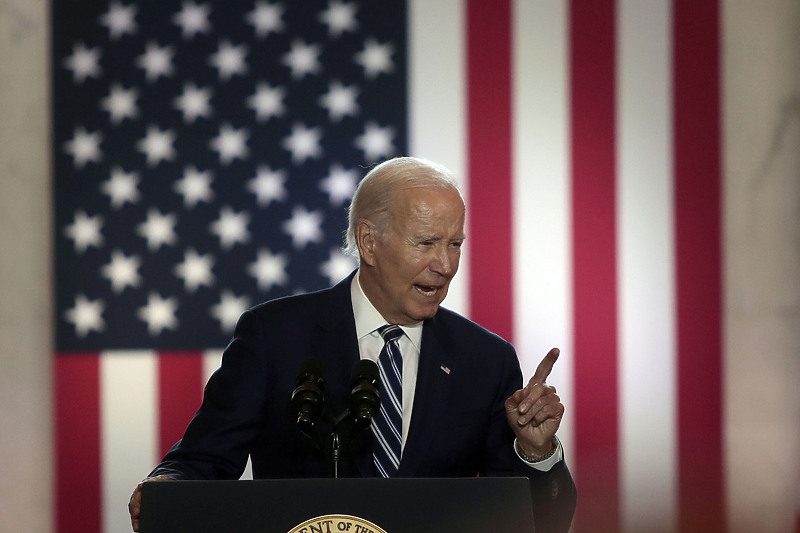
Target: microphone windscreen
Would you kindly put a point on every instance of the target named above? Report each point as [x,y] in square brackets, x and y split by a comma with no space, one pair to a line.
[365,369]
[310,370]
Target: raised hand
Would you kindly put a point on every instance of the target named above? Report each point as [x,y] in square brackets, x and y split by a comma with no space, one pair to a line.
[535,411]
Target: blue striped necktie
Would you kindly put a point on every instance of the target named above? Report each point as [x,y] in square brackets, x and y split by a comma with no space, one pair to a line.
[387,426]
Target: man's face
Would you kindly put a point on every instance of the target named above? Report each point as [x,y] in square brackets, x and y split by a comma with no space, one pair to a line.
[410,266]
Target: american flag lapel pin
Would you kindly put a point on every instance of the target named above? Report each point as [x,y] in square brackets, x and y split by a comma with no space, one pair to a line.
[445,369]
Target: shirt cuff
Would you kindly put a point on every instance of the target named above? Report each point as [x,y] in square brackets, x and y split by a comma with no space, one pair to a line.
[545,464]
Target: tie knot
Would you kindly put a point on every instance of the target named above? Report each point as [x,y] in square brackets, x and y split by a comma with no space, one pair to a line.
[390,332]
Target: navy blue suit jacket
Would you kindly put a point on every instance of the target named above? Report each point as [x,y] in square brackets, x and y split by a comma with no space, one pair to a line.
[458,426]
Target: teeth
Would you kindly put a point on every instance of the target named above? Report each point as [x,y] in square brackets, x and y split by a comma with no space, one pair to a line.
[429,292]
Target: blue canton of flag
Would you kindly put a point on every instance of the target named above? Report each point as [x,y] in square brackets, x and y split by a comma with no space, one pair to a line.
[204,157]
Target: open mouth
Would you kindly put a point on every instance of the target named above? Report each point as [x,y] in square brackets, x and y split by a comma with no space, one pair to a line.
[426,290]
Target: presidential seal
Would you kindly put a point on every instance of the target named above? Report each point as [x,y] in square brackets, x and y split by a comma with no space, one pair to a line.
[337,523]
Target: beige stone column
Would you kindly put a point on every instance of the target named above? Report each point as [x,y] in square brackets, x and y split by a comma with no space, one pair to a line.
[25,266]
[761,90]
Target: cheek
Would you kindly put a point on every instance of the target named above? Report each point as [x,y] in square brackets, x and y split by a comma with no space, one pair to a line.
[455,257]
[413,264]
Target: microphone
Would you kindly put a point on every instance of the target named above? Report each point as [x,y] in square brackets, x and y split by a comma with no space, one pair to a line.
[307,399]
[365,400]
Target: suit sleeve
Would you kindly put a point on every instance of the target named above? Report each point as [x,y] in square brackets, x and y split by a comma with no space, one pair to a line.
[554,498]
[218,439]
[553,492]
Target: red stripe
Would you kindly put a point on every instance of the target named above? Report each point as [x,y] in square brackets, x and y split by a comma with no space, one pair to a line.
[180,388]
[592,71]
[77,439]
[489,161]
[698,246]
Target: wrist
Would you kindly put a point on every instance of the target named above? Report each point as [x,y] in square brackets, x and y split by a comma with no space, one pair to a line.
[538,455]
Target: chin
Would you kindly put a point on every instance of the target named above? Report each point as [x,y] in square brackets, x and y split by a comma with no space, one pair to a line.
[426,313]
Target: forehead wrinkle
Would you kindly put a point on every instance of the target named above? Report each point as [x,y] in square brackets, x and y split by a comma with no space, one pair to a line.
[427,216]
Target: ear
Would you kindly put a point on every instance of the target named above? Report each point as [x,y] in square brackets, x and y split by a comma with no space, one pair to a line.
[365,240]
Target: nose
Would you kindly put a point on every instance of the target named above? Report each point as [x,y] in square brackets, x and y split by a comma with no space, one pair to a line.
[445,261]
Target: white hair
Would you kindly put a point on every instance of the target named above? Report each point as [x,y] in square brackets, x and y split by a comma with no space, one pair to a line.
[374,195]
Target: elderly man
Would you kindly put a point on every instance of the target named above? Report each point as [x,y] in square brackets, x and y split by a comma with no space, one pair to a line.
[457,408]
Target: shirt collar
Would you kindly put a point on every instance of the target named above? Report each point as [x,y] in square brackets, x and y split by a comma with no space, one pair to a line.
[368,319]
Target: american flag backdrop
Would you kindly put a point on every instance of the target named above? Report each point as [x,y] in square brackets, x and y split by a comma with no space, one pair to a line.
[204,154]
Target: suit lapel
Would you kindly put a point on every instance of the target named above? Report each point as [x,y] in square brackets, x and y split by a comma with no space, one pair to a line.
[339,344]
[430,397]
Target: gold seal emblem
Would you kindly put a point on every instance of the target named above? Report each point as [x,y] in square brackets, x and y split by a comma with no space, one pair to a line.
[337,523]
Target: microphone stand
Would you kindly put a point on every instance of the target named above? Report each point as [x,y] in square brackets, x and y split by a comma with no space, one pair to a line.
[337,443]
[335,453]
[364,401]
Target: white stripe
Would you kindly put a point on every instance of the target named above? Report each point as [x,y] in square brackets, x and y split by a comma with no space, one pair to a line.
[542,253]
[381,470]
[384,439]
[388,455]
[129,429]
[437,108]
[389,392]
[645,272]
[212,359]
[387,418]
[394,357]
[393,431]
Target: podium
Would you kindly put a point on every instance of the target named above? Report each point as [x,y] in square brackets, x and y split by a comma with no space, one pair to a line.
[352,505]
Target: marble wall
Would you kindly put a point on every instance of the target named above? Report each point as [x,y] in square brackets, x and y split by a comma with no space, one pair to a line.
[25,307]
[762,251]
[761,83]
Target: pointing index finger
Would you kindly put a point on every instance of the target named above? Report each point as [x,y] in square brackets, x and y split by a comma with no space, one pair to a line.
[545,366]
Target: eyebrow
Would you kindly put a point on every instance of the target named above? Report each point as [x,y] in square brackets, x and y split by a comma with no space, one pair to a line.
[423,238]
